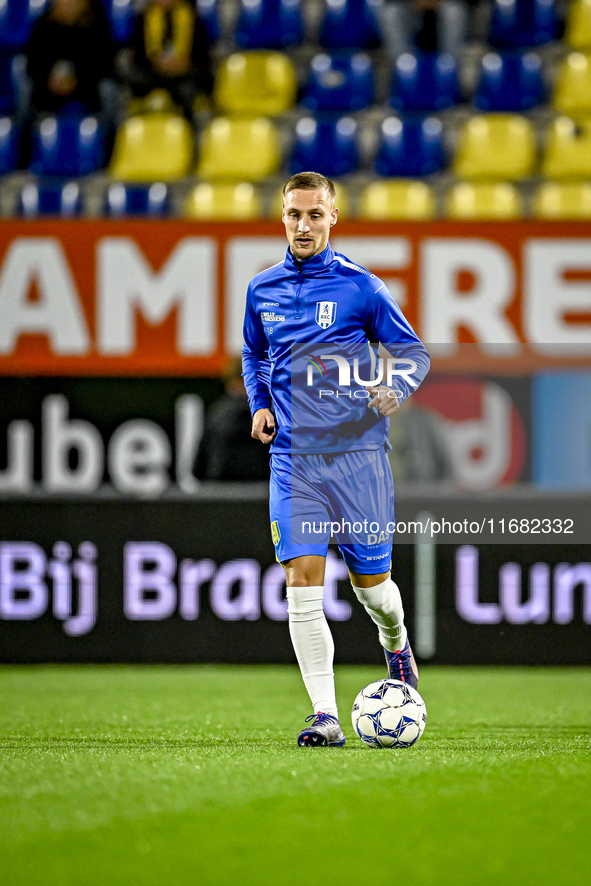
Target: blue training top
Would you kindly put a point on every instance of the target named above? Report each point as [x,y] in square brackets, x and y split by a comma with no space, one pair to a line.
[297,313]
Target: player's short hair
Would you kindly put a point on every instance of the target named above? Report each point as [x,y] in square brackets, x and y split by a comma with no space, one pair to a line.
[309,181]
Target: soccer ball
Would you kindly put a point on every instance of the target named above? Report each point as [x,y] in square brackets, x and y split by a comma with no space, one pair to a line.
[389,714]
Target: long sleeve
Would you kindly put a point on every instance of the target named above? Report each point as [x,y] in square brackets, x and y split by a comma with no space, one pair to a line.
[388,325]
[256,366]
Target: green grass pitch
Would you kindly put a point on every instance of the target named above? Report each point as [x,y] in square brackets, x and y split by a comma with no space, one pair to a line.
[117,776]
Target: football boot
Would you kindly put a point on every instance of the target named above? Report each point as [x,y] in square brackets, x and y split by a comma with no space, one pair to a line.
[402,666]
[324,731]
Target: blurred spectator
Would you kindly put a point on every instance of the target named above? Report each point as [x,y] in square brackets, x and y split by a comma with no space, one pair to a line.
[424,25]
[227,450]
[69,53]
[171,51]
[420,451]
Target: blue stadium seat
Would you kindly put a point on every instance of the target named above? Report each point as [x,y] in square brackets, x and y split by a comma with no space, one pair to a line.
[339,82]
[410,147]
[120,14]
[13,83]
[68,146]
[269,24]
[523,23]
[17,18]
[9,145]
[50,197]
[151,200]
[327,145]
[511,82]
[208,13]
[425,82]
[350,24]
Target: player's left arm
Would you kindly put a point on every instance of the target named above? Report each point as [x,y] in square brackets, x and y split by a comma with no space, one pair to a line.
[410,360]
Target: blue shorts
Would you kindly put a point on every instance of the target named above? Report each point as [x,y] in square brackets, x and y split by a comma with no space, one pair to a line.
[349,495]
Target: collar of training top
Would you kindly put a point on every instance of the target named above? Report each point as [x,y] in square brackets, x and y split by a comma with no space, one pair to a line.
[310,266]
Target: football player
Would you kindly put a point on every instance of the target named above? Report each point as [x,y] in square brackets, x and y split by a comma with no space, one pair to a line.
[310,332]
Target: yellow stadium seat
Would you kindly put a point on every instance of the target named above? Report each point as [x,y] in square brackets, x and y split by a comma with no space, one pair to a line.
[341,201]
[572,91]
[497,147]
[495,200]
[567,151]
[219,200]
[154,147]
[562,200]
[578,25]
[255,84]
[239,150]
[397,198]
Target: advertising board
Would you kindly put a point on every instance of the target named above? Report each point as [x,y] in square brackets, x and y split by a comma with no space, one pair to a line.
[100,297]
[179,581]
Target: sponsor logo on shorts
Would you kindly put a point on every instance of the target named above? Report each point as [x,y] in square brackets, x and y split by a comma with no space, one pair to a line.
[382,539]
[275,533]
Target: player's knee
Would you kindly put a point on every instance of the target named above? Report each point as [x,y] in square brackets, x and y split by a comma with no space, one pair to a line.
[304,572]
[369,597]
[381,599]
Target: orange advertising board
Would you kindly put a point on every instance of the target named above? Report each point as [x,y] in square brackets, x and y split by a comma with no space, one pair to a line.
[102,297]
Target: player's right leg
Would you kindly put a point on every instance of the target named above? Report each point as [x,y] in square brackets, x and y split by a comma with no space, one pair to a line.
[293,496]
[314,648]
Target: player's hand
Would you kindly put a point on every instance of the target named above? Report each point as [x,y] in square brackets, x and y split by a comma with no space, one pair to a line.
[263,426]
[384,399]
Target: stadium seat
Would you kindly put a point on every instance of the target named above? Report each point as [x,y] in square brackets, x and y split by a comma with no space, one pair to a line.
[410,147]
[209,15]
[425,82]
[397,199]
[567,149]
[512,82]
[67,146]
[269,24]
[255,84]
[124,200]
[223,200]
[13,83]
[342,201]
[8,100]
[498,200]
[50,198]
[328,146]
[562,200]
[120,14]
[153,147]
[9,145]
[496,146]
[578,25]
[350,24]
[523,23]
[239,150]
[17,18]
[339,82]
[572,88]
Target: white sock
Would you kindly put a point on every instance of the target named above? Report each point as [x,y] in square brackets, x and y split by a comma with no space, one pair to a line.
[384,605]
[313,645]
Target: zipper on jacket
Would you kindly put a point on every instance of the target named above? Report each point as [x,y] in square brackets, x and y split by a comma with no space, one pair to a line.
[300,283]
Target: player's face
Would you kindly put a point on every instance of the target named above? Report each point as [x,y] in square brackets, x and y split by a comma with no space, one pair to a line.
[308,217]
